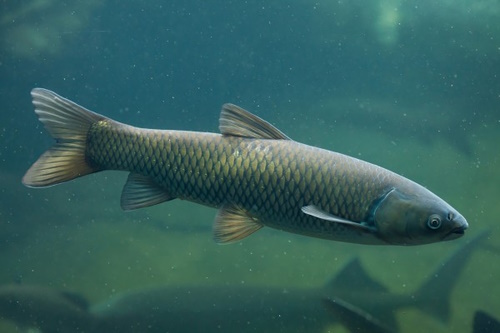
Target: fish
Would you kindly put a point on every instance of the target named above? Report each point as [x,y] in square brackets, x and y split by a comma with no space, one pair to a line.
[224,308]
[362,304]
[251,172]
[352,298]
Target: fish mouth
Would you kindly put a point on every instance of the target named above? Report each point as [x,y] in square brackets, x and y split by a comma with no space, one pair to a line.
[458,231]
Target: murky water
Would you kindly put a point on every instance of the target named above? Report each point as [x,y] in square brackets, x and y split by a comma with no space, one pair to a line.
[410,86]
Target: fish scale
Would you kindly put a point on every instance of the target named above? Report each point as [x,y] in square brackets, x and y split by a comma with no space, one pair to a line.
[253,173]
[271,179]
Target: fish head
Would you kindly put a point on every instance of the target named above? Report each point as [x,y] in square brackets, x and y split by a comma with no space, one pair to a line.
[419,217]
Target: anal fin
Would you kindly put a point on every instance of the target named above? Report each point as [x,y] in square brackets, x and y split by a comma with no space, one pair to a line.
[141,191]
[233,224]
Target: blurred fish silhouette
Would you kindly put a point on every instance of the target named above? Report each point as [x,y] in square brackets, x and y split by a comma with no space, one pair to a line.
[47,309]
[427,122]
[352,298]
[368,306]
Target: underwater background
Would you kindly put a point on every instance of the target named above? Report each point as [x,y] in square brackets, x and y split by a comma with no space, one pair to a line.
[412,86]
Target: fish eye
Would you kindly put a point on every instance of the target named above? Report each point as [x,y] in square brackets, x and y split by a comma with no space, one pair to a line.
[434,222]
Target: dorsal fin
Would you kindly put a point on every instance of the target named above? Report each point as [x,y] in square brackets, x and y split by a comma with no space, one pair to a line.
[235,121]
[354,277]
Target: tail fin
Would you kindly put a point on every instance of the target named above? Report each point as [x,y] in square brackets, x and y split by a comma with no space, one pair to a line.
[68,123]
[433,296]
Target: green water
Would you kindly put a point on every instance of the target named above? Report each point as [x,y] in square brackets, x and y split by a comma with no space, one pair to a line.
[410,86]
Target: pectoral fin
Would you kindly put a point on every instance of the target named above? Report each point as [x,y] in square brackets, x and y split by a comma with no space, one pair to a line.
[141,191]
[233,224]
[320,214]
[355,318]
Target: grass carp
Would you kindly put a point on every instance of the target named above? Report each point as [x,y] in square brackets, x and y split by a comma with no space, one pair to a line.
[253,173]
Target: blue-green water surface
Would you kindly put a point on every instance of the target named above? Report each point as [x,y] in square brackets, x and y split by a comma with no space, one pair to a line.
[412,86]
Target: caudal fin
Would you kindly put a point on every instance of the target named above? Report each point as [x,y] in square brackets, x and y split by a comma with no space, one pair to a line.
[68,123]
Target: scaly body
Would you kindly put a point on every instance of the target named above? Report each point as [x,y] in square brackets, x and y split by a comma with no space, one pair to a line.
[271,179]
[252,172]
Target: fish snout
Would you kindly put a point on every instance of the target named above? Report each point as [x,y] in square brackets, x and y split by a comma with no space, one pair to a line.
[459,226]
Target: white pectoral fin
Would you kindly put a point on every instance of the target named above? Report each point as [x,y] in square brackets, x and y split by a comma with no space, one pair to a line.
[233,224]
[320,214]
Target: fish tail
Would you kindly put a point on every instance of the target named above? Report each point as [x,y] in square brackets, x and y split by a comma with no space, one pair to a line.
[69,124]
